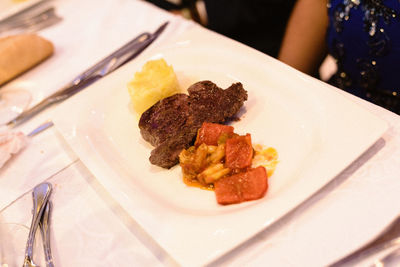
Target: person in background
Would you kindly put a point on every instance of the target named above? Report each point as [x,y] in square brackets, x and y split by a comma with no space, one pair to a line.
[256,23]
[362,35]
[260,24]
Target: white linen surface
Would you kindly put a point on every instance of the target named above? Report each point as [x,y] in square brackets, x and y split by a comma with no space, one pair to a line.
[90,30]
[90,229]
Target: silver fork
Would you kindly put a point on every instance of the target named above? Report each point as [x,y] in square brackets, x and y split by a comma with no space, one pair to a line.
[26,21]
[44,226]
[28,12]
[33,23]
[389,237]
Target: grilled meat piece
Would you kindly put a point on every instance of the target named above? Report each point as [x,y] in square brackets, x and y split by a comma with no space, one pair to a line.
[172,123]
[210,103]
[166,155]
[165,119]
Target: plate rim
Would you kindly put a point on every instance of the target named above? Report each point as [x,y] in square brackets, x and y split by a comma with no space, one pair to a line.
[223,41]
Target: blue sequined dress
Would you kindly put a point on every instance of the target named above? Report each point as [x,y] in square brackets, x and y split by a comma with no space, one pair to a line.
[364,38]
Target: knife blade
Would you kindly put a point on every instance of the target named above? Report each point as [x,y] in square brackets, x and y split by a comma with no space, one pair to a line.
[94,73]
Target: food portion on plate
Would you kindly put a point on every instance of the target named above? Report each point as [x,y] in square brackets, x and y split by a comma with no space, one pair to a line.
[172,123]
[222,160]
[188,128]
[154,82]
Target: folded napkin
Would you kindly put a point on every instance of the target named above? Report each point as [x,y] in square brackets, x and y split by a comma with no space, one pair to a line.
[11,143]
[18,53]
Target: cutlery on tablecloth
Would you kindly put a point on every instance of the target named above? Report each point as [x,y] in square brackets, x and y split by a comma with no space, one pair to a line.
[25,24]
[389,237]
[40,196]
[99,70]
[25,11]
[390,260]
[44,225]
[40,128]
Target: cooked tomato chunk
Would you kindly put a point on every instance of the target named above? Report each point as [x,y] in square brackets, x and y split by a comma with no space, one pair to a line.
[249,185]
[210,132]
[239,152]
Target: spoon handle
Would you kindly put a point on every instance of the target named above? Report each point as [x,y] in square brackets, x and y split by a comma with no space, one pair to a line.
[40,196]
[44,225]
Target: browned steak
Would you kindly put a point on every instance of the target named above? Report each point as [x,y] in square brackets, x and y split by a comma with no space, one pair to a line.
[210,103]
[164,120]
[172,123]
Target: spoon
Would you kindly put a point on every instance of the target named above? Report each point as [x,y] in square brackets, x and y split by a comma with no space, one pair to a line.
[40,196]
[45,231]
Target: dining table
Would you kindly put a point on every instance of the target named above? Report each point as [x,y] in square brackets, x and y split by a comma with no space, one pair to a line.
[92,226]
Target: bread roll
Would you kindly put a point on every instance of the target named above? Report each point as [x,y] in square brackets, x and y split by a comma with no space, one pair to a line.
[19,53]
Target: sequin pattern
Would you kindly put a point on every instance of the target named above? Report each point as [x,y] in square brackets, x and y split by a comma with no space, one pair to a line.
[375,16]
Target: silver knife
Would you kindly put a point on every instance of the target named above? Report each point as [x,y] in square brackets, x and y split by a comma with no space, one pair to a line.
[99,70]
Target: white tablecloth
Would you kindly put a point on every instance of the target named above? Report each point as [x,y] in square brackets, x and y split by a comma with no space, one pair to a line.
[90,229]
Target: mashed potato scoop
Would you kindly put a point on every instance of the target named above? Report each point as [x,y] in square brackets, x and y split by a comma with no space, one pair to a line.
[156,80]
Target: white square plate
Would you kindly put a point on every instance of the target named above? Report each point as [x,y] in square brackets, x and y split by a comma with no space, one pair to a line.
[316,131]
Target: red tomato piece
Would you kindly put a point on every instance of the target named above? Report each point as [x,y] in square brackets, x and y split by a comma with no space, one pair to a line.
[210,132]
[238,152]
[249,185]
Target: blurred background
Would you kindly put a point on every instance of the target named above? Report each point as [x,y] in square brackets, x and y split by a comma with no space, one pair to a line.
[257,23]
